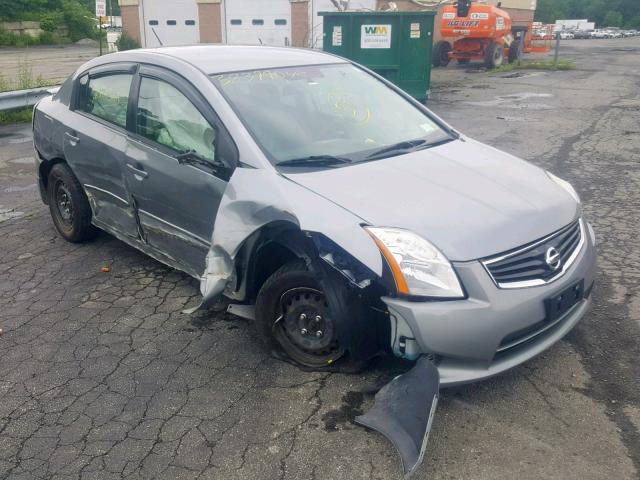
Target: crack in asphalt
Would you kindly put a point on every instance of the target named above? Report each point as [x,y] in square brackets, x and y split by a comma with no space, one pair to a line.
[102,376]
[625,342]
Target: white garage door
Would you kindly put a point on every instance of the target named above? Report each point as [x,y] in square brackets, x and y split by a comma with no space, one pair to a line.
[167,23]
[328,6]
[262,22]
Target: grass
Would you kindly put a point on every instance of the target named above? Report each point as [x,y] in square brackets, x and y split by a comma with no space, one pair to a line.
[546,64]
[22,115]
[22,81]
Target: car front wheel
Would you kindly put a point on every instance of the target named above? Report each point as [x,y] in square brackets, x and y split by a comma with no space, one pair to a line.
[293,317]
[68,204]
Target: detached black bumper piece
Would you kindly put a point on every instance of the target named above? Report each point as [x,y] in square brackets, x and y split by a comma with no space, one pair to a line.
[403,412]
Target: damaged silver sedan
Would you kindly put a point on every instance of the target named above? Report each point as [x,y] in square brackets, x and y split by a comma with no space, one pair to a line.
[323,203]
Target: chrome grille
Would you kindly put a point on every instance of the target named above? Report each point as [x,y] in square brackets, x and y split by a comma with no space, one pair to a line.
[528,266]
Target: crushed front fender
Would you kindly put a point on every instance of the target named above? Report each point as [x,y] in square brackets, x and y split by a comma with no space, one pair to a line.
[255,198]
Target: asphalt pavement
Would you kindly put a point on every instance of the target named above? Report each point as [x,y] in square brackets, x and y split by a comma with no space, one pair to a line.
[102,376]
[51,63]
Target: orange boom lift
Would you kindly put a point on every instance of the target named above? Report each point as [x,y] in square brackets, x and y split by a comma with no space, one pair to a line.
[482,33]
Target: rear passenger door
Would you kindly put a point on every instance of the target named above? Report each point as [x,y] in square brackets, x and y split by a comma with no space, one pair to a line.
[95,139]
[178,161]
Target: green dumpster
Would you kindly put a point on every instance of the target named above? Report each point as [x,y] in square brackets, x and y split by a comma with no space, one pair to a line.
[396,45]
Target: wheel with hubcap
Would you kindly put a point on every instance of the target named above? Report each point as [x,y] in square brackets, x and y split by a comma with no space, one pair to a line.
[293,316]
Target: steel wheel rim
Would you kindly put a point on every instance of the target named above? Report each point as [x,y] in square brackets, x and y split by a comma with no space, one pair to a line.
[301,333]
[64,203]
[497,57]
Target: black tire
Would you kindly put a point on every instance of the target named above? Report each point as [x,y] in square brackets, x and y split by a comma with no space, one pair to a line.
[463,61]
[68,204]
[441,54]
[288,294]
[515,50]
[494,56]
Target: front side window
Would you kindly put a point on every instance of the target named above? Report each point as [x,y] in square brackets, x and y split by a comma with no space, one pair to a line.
[107,97]
[167,117]
[320,110]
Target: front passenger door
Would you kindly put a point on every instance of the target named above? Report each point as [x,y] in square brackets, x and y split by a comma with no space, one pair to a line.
[175,175]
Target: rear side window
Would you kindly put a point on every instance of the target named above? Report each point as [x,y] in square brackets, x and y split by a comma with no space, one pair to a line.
[64,94]
[107,97]
[167,117]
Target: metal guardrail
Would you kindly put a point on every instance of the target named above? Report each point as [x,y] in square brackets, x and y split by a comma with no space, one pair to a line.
[24,98]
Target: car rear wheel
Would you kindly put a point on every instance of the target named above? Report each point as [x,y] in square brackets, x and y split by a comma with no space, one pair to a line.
[68,204]
[293,317]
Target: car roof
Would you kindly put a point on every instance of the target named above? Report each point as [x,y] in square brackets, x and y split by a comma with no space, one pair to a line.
[213,59]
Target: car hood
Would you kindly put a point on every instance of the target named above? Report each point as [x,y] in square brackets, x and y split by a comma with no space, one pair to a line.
[469,199]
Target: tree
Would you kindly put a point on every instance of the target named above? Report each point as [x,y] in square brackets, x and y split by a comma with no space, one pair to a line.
[613,19]
[126,42]
[549,11]
[602,12]
[634,23]
[111,5]
[79,20]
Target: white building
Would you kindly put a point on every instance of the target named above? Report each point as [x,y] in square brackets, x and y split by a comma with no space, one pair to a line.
[249,22]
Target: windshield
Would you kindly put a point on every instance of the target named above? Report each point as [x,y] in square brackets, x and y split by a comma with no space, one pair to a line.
[338,110]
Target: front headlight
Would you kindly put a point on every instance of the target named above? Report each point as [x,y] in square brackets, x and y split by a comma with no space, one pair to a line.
[418,267]
[565,185]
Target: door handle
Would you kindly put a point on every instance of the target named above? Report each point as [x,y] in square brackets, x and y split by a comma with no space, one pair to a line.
[73,140]
[139,173]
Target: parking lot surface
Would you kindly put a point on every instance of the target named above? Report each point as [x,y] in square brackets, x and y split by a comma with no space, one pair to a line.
[102,376]
[51,63]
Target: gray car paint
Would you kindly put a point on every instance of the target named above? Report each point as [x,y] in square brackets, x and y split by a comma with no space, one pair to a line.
[245,209]
[466,334]
[470,200]
[97,152]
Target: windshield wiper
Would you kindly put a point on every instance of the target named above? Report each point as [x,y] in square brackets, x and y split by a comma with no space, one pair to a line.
[191,157]
[314,160]
[405,147]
